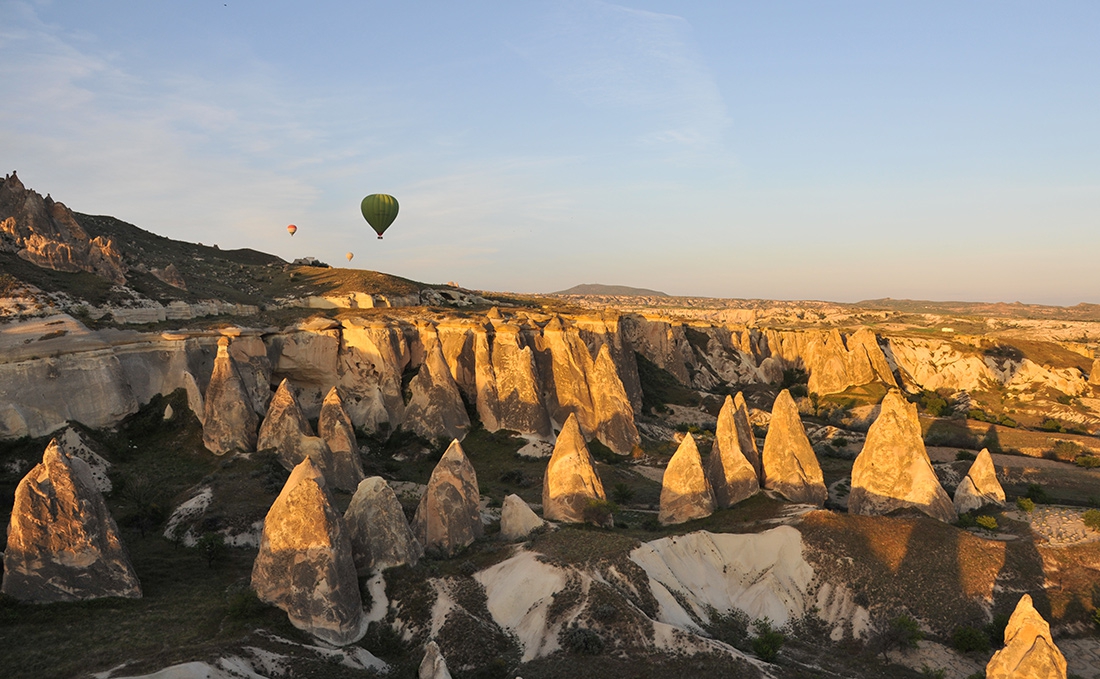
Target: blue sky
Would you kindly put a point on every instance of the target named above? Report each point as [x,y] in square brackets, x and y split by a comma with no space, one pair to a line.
[791,150]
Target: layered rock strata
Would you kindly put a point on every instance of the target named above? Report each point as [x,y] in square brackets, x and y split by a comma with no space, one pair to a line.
[305,564]
[893,471]
[789,463]
[63,544]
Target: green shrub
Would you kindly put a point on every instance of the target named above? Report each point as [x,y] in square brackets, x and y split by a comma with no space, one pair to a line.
[1025,504]
[1051,424]
[840,441]
[600,513]
[977,675]
[731,628]
[966,639]
[966,520]
[987,522]
[1006,421]
[243,604]
[904,632]
[1096,617]
[995,630]
[212,546]
[580,640]
[1092,519]
[1067,450]
[965,456]
[1038,494]
[926,671]
[977,414]
[1087,461]
[622,493]
[768,640]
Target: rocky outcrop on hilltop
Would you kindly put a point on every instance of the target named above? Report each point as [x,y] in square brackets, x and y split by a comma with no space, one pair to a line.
[517,520]
[893,471]
[1029,651]
[286,431]
[980,487]
[435,409]
[47,234]
[229,421]
[63,544]
[334,426]
[447,518]
[731,475]
[685,492]
[305,564]
[433,666]
[380,535]
[570,482]
[790,465]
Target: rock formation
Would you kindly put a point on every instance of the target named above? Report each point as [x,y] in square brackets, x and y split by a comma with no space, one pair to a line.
[893,471]
[789,463]
[47,234]
[334,426]
[63,544]
[980,487]
[685,491]
[1094,374]
[379,533]
[570,482]
[508,391]
[447,517]
[745,437]
[286,431]
[731,476]
[1029,651]
[517,521]
[305,564]
[229,422]
[611,406]
[433,666]
[435,409]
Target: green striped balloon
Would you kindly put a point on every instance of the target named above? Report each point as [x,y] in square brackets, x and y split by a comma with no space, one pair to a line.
[379,209]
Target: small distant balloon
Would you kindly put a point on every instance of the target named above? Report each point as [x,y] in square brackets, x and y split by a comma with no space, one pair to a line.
[291,229]
[379,209]
[350,255]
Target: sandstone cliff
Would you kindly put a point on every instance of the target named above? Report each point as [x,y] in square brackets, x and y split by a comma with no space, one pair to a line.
[63,544]
[435,408]
[893,471]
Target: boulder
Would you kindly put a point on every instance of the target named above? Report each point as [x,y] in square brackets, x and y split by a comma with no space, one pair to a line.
[379,533]
[685,491]
[570,482]
[893,471]
[980,487]
[1029,651]
[286,431]
[63,544]
[435,409]
[789,464]
[305,564]
[745,436]
[731,476]
[334,426]
[447,517]
[229,421]
[433,666]
[517,520]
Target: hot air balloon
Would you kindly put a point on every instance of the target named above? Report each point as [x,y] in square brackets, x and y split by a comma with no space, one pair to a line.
[291,229]
[379,209]
[350,255]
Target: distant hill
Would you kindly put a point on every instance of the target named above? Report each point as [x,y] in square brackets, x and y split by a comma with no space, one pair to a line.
[617,290]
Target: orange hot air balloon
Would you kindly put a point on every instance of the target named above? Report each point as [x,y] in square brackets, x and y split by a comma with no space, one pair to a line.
[291,229]
[350,255]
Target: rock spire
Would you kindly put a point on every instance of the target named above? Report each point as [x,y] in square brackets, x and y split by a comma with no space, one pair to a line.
[790,465]
[732,477]
[570,481]
[448,517]
[685,492]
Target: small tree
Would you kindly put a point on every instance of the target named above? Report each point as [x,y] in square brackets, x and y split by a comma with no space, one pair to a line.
[901,634]
[212,546]
[987,522]
[768,640]
[1092,519]
[1025,504]
[600,513]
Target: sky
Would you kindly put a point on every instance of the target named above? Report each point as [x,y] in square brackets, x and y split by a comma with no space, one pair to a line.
[843,150]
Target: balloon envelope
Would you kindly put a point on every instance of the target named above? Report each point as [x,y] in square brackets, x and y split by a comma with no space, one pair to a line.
[291,229]
[379,209]
[349,256]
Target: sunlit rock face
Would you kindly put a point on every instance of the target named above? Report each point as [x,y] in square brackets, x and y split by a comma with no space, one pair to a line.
[980,487]
[334,426]
[893,471]
[607,330]
[433,666]
[435,408]
[731,476]
[63,544]
[611,406]
[745,437]
[447,518]
[380,535]
[570,481]
[1029,651]
[305,564]
[790,465]
[286,431]
[517,520]
[1094,375]
[373,356]
[229,421]
[507,382]
[685,491]
[47,234]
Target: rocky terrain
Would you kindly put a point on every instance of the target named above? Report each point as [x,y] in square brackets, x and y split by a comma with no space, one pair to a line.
[248,468]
